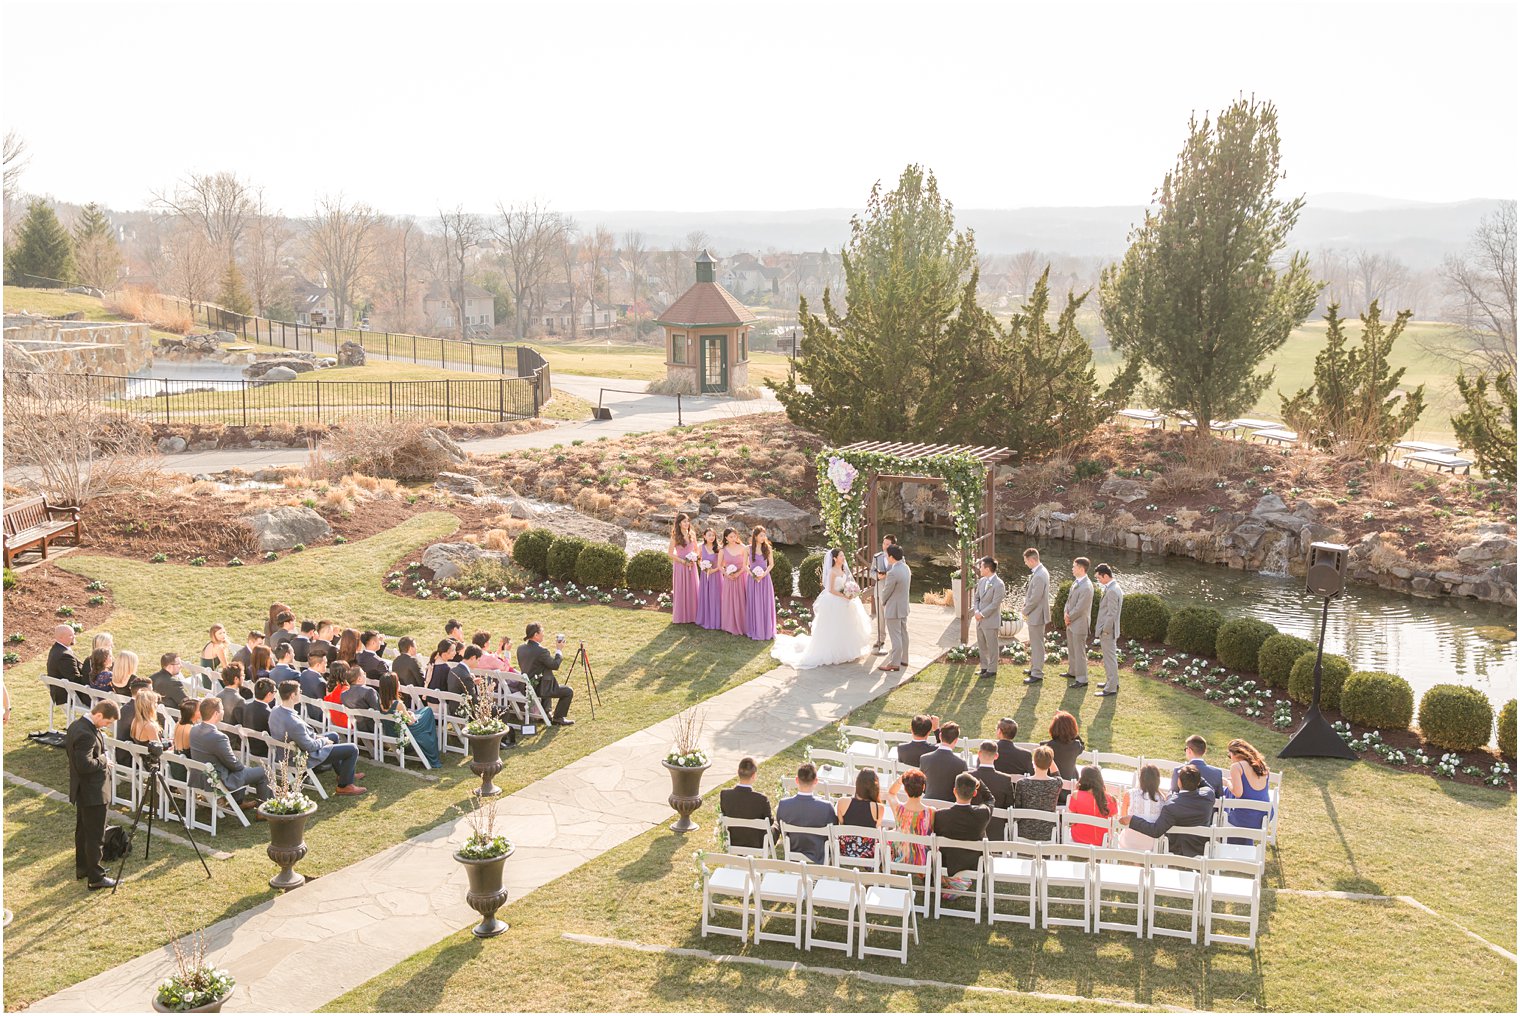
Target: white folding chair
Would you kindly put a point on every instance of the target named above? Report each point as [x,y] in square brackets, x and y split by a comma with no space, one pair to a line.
[215,797]
[1066,867]
[834,767]
[1021,815]
[976,875]
[864,741]
[759,825]
[1274,796]
[130,775]
[1174,888]
[783,883]
[1017,866]
[831,889]
[937,804]
[1070,821]
[858,833]
[1244,809]
[275,752]
[726,876]
[887,895]
[901,844]
[1107,763]
[1231,884]
[1123,874]
[1205,833]
[789,850]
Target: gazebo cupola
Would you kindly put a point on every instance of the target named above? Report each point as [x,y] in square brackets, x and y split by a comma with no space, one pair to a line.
[707,336]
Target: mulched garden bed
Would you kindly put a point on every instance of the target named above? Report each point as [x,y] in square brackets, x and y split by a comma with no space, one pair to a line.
[32,608]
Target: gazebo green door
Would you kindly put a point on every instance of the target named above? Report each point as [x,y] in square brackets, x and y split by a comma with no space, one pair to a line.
[715,363]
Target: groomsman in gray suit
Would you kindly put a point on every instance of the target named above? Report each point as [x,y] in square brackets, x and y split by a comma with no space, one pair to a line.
[1078,620]
[1110,607]
[880,562]
[894,607]
[1036,614]
[987,609]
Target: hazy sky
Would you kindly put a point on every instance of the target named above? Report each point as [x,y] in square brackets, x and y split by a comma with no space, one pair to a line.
[746,105]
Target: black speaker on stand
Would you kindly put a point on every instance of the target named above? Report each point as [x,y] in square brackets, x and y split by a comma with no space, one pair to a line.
[1326,578]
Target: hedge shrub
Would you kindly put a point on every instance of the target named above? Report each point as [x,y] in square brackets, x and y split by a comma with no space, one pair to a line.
[1274,661]
[1144,616]
[810,576]
[1058,612]
[649,569]
[1193,629]
[531,550]
[1507,729]
[1333,678]
[782,573]
[1456,717]
[563,553]
[1239,641]
[601,565]
[1377,699]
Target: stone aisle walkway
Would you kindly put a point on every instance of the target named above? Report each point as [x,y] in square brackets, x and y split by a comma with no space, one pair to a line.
[301,950]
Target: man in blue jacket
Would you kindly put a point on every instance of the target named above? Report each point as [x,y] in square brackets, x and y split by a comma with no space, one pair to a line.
[803,809]
[1192,804]
[286,726]
[1194,749]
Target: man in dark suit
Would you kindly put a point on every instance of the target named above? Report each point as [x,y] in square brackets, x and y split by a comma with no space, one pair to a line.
[1011,759]
[244,655]
[361,696]
[88,767]
[167,682]
[302,642]
[405,666]
[323,640]
[232,694]
[461,681]
[256,714]
[911,752]
[284,665]
[962,821]
[996,790]
[538,665]
[368,657]
[62,663]
[1192,804]
[313,679]
[944,763]
[803,809]
[744,801]
[1193,749]
[285,726]
[284,630]
[210,745]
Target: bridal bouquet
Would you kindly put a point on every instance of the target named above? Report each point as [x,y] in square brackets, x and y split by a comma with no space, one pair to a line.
[851,589]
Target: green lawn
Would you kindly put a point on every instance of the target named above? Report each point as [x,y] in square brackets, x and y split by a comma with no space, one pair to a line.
[1360,828]
[56,303]
[646,671]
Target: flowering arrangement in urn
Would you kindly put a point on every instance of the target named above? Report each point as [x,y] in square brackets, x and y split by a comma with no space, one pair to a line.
[286,785]
[195,982]
[687,752]
[484,842]
[841,474]
[483,720]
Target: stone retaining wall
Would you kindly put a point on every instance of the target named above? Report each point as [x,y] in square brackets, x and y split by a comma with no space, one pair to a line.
[101,347]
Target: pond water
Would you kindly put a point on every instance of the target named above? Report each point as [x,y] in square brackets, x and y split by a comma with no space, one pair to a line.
[147,382]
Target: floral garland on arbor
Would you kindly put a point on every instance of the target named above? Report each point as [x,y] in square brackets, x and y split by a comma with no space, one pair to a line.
[843,501]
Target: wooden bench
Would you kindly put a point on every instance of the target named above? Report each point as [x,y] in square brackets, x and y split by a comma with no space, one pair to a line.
[32,522]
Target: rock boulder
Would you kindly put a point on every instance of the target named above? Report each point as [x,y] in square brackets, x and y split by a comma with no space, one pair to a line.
[450,560]
[350,354]
[284,527]
[1121,489]
[172,445]
[785,522]
[273,374]
[294,364]
[459,483]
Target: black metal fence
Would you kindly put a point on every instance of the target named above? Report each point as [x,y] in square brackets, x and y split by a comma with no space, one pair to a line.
[244,403]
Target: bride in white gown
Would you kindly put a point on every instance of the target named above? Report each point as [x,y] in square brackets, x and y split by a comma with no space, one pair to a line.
[841,629]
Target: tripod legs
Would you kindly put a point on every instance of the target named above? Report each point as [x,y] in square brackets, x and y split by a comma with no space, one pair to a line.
[154,784]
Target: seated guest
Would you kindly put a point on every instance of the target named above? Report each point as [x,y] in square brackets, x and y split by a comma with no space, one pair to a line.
[452,629]
[62,663]
[255,715]
[321,751]
[1193,750]
[1141,801]
[284,630]
[864,811]
[944,763]
[210,745]
[167,682]
[1041,792]
[272,621]
[440,663]
[1092,798]
[232,693]
[349,646]
[141,718]
[284,664]
[337,686]
[1012,759]
[189,715]
[461,681]
[323,639]
[405,666]
[1192,804]
[538,665]
[423,728]
[313,680]
[101,667]
[910,752]
[961,821]
[803,809]
[744,801]
[995,790]
[216,653]
[262,665]
[488,659]
[1066,743]
[124,673]
[245,654]
[1248,781]
[360,696]
[302,642]
[911,816]
[368,657]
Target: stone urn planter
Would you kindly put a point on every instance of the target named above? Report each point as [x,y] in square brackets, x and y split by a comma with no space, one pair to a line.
[685,793]
[215,1005]
[486,894]
[485,760]
[287,845]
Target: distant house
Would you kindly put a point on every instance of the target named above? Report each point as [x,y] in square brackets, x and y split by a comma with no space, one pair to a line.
[440,307]
[315,304]
[744,273]
[588,315]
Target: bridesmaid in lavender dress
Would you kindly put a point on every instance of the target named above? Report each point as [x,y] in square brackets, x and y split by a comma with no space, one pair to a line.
[733,566]
[709,584]
[683,571]
[760,607]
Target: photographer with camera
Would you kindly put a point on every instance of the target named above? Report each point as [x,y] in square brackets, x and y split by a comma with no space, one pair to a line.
[538,665]
[88,768]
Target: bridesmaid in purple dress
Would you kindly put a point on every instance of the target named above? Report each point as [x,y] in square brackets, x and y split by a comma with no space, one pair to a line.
[683,571]
[709,584]
[733,565]
[760,607]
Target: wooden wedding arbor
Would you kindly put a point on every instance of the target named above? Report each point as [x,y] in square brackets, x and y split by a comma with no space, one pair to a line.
[955,466]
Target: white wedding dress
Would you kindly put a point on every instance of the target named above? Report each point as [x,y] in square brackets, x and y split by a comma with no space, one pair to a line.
[841,632]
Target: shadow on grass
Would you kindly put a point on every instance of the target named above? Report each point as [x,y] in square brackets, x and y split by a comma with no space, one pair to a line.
[423,991]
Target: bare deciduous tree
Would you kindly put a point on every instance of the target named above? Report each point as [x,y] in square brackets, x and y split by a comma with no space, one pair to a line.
[191,266]
[340,243]
[1026,268]
[15,159]
[597,250]
[462,233]
[570,263]
[263,254]
[77,449]
[1378,277]
[634,257]
[218,204]
[1480,288]
[529,235]
[401,254]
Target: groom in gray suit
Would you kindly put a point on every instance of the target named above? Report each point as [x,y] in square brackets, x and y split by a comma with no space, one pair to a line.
[894,607]
[1036,614]
[1078,620]
[1110,607]
[987,608]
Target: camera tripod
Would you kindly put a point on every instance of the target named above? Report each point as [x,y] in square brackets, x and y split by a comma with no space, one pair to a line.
[151,787]
[580,659]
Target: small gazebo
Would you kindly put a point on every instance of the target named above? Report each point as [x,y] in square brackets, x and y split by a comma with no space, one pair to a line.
[707,336]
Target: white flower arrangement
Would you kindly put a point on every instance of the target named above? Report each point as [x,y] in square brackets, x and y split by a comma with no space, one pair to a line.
[689,759]
[687,751]
[705,564]
[758,571]
[851,589]
[691,556]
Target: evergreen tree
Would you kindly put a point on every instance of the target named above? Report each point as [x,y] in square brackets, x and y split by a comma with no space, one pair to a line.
[1352,403]
[1197,302]
[234,295]
[1487,424]
[97,258]
[42,246]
